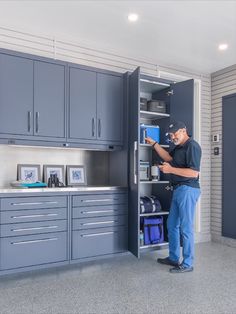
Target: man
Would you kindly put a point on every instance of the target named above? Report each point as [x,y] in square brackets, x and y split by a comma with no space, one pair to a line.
[183,165]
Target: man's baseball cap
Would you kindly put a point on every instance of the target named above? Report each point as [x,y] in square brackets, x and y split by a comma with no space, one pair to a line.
[175,126]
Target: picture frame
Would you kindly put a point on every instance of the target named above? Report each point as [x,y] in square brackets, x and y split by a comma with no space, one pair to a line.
[28,173]
[53,169]
[76,175]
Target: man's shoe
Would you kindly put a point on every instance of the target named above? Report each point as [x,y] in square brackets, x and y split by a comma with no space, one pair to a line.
[180,269]
[167,261]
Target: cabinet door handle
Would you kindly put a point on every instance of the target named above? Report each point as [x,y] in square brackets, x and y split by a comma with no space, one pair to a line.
[135,161]
[99,200]
[96,234]
[34,228]
[34,241]
[33,203]
[99,127]
[98,223]
[97,211]
[93,127]
[37,122]
[29,121]
[33,216]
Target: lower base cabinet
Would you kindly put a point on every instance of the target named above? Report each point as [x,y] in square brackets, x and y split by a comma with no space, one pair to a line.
[94,242]
[33,250]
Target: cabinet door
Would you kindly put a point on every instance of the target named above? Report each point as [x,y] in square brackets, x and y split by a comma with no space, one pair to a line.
[49,99]
[109,107]
[182,103]
[82,104]
[16,95]
[134,194]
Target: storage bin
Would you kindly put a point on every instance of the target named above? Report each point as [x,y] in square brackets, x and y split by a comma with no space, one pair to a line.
[152,131]
[156,106]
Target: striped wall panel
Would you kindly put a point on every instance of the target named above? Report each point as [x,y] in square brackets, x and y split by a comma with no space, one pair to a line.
[223,83]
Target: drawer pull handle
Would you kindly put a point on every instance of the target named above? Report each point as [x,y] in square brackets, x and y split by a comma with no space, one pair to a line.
[96,234]
[34,241]
[33,216]
[97,211]
[98,223]
[33,203]
[34,228]
[100,200]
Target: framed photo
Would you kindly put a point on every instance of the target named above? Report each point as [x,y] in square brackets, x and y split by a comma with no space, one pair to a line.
[53,169]
[28,173]
[76,175]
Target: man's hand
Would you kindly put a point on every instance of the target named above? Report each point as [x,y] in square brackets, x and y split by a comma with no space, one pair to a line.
[166,167]
[149,140]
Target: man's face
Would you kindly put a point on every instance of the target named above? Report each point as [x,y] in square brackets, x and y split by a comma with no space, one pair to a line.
[178,137]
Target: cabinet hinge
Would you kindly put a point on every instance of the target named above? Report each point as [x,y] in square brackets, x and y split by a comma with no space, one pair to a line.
[170,92]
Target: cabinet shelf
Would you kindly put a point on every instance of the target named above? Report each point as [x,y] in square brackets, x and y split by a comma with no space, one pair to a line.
[154,214]
[153,245]
[154,182]
[153,115]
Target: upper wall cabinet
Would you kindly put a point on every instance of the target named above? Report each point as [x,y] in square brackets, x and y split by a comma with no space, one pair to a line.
[16,95]
[49,99]
[32,98]
[95,107]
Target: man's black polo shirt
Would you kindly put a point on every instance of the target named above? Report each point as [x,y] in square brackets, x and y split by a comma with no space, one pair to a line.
[187,155]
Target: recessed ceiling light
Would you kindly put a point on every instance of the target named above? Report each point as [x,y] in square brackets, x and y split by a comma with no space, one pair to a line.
[133,17]
[223,47]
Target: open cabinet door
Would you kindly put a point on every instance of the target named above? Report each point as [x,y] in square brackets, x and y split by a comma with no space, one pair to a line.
[182,103]
[133,225]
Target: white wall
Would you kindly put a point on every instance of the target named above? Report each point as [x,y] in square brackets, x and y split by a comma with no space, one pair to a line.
[74,52]
[223,83]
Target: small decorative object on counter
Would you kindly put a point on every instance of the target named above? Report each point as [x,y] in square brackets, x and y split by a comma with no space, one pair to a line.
[141,237]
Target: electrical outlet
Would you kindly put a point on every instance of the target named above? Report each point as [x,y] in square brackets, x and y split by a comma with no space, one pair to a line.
[215,138]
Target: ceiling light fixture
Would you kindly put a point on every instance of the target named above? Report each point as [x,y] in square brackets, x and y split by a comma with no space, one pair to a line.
[133,17]
[223,47]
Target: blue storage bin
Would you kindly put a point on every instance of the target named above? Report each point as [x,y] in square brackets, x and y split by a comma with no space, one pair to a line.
[152,131]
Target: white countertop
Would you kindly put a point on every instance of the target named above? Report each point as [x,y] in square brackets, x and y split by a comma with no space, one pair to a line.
[62,189]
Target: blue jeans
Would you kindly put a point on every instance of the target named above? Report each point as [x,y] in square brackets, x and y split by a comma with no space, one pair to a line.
[181,221]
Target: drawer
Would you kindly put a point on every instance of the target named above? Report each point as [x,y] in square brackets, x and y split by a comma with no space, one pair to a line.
[99,222]
[33,250]
[11,230]
[16,203]
[28,215]
[99,199]
[96,242]
[98,211]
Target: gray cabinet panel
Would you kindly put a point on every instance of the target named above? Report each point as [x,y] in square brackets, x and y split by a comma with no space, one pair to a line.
[33,250]
[96,242]
[98,211]
[109,107]
[16,95]
[16,216]
[99,222]
[49,99]
[16,203]
[11,230]
[82,104]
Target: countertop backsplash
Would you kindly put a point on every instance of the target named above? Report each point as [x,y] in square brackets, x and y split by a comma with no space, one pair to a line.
[96,162]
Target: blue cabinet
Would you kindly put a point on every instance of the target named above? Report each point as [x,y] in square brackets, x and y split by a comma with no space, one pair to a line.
[16,95]
[95,107]
[33,231]
[32,98]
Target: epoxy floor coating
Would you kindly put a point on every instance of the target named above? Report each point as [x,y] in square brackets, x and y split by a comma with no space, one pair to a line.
[125,284]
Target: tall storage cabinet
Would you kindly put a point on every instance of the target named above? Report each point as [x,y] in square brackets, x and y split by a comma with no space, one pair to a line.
[179,101]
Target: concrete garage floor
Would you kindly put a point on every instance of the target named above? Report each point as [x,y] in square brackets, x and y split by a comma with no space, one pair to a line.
[127,285]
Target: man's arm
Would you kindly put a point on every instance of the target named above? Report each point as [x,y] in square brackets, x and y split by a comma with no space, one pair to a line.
[183,172]
[160,150]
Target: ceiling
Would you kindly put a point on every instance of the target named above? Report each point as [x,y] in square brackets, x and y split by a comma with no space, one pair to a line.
[171,33]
